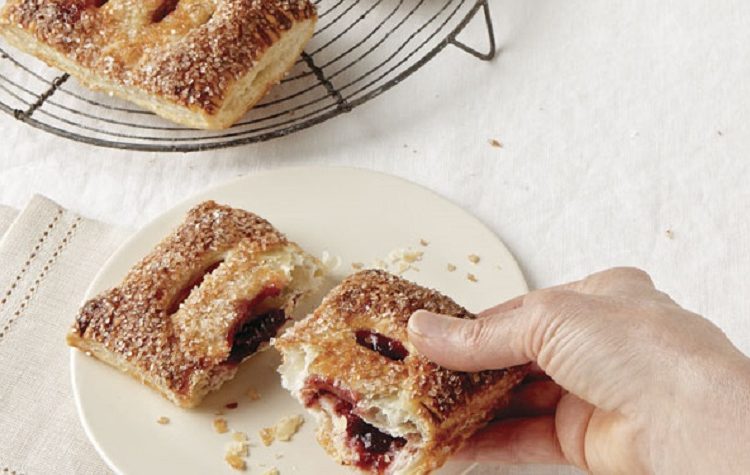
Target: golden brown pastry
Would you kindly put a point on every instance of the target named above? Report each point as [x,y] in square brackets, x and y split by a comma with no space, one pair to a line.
[201,63]
[209,296]
[382,407]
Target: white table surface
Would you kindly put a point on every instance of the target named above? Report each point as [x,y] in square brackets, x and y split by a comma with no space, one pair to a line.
[620,120]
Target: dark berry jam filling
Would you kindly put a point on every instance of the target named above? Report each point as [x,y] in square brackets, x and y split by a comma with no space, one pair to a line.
[252,328]
[165,8]
[384,345]
[374,448]
[255,332]
[316,387]
[184,292]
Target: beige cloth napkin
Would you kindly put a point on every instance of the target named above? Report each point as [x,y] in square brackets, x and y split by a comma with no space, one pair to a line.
[49,256]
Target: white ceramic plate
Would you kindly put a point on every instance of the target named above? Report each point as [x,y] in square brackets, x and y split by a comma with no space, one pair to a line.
[355,215]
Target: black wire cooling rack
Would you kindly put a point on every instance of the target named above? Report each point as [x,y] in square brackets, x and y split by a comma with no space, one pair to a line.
[361,49]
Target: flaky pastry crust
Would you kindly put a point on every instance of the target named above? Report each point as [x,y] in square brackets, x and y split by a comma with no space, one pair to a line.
[352,359]
[202,63]
[181,318]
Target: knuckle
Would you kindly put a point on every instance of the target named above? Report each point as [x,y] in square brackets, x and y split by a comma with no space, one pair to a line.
[665,298]
[616,278]
[634,274]
[548,301]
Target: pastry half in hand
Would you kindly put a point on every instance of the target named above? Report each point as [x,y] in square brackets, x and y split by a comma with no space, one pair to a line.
[382,407]
[201,63]
[209,296]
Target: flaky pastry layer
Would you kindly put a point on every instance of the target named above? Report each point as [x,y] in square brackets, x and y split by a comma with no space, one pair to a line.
[201,63]
[381,406]
[210,295]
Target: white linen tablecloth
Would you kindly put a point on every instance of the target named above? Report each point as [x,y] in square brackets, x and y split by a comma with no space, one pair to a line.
[626,136]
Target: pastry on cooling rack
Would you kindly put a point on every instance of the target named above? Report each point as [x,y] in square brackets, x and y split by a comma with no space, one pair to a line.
[201,63]
[381,407]
[209,296]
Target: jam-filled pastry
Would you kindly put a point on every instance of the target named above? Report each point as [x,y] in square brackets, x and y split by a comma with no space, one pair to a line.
[209,296]
[201,63]
[382,407]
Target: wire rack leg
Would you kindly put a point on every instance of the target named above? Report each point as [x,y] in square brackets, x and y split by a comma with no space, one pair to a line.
[490,35]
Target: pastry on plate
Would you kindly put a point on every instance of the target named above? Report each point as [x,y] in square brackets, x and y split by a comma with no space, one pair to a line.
[382,407]
[201,63]
[209,296]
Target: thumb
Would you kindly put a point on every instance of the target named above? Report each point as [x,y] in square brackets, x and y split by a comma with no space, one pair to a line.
[491,342]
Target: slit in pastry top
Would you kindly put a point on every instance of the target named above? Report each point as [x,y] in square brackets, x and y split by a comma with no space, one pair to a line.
[165,8]
[388,347]
[210,295]
[194,282]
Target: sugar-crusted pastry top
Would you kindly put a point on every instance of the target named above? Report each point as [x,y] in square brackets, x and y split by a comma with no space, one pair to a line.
[143,319]
[188,51]
[381,302]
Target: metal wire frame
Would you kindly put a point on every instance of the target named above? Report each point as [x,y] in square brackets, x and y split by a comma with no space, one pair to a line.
[395,46]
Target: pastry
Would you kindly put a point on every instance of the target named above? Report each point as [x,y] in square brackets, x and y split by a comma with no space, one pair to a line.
[209,296]
[201,63]
[382,407]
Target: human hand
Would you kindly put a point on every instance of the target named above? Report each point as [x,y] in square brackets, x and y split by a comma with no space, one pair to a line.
[638,384]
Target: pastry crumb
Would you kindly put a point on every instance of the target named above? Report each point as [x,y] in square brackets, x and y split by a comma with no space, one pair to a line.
[474,259]
[669,233]
[424,242]
[403,260]
[357,265]
[288,426]
[379,264]
[451,268]
[220,425]
[267,435]
[236,462]
[253,394]
[278,456]
[399,261]
[412,256]
[472,277]
[163,420]
[239,436]
[272,471]
[237,451]
[329,261]
[403,267]
[496,143]
[283,430]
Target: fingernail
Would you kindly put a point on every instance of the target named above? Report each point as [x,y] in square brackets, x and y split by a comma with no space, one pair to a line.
[430,325]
